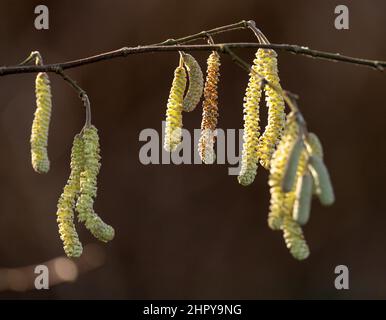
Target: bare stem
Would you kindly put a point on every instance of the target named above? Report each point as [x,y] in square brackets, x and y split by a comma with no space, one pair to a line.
[123,52]
[82,94]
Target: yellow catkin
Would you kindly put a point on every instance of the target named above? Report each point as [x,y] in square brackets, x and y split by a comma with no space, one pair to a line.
[173,127]
[249,156]
[322,181]
[291,166]
[275,104]
[41,123]
[88,187]
[65,213]
[210,110]
[294,239]
[196,83]
[279,200]
[302,205]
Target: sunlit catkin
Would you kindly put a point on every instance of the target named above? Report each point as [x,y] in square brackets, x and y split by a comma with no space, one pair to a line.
[302,205]
[249,157]
[196,83]
[294,239]
[210,110]
[173,126]
[88,187]
[322,181]
[41,123]
[65,213]
[275,104]
[281,203]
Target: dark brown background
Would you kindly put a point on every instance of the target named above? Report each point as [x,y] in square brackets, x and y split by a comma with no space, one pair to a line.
[192,231]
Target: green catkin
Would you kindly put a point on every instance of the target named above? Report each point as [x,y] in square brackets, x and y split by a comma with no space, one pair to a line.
[249,156]
[314,146]
[196,83]
[65,214]
[322,181]
[292,165]
[88,187]
[41,123]
[302,205]
[276,107]
[209,110]
[294,239]
[173,126]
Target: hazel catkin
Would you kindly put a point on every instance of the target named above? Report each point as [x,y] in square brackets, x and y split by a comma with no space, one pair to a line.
[65,213]
[88,187]
[294,239]
[173,126]
[249,156]
[302,205]
[322,181]
[275,104]
[196,83]
[210,110]
[41,123]
[291,166]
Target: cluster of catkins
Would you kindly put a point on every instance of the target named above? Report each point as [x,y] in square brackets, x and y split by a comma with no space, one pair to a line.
[183,98]
[79,193]
[293,156]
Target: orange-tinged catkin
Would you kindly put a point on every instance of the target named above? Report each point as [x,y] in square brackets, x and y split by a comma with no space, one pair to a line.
[249,156]
[275,104]
[173,126]
[210,110]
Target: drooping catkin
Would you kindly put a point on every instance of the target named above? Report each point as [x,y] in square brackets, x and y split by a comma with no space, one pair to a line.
[291,166]
[302,205]
[196,83]
[173,127]
[322,180]
[249,156]
[294,238]
[65,214]
[88,187]
[275,104]
[210,110]
[41,123]
[281,203]
[314,146]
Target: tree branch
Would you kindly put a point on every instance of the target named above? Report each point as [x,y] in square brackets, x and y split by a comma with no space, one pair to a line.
[123,52]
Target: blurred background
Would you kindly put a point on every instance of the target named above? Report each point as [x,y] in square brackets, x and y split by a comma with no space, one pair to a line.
[191,231]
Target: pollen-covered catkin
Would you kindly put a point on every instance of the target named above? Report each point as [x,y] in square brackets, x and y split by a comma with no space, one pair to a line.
[173,127]
[275,104]
[302,205]
[249,156]
[322,181]
[41,123]
[210,110]
[294,239]
[88,187]
[281,203]
[196,83]
[65,214]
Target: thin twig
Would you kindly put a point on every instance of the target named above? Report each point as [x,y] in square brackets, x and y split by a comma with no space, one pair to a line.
[82,94]
[123,52]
